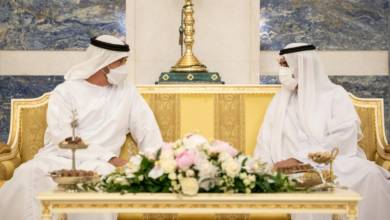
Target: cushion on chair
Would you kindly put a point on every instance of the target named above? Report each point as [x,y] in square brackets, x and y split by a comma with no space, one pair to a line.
[32,129]
[369,142]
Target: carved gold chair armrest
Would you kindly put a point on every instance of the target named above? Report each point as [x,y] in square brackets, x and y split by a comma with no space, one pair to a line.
[8,162]
[4,148]
[383,158]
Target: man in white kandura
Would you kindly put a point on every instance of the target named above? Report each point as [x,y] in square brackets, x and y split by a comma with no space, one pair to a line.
[312,114]
[107,109]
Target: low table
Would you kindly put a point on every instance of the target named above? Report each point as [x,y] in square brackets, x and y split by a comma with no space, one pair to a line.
[336,202]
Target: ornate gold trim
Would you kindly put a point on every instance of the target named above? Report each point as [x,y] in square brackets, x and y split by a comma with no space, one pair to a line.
[209,89]
[212,205]
[338,202]
[159,216]
[169,121]
[352,209]
[230,120]
[232,217]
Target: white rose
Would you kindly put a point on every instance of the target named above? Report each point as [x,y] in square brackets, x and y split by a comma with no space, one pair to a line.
[206,170]
[193,141]
[254,166]
[189,186]
[168,165]
[140,178]
[156,172]
[224,157]
[231,167]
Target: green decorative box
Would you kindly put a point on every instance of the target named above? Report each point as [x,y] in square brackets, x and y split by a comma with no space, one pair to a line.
[189,77]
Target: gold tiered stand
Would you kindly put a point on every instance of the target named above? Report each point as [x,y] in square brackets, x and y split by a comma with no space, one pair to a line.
[327,176]
[311,178]
[189,69]
[69,182]
[73,144]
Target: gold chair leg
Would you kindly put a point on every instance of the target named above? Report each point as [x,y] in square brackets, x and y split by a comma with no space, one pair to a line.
[62,217]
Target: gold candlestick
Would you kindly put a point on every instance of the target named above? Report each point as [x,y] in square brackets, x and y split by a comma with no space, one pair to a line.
[188,62]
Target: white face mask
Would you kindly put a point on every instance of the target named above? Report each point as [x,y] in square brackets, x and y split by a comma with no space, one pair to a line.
[286,78]
[118,75]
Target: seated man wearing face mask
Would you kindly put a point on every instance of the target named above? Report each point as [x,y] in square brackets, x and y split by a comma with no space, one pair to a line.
[312,114]
[107,109]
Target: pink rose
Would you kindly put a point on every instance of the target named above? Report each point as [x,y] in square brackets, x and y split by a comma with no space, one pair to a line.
[185,160]
[218,146]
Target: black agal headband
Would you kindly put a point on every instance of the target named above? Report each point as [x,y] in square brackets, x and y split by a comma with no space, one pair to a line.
[108,46]
[297,49]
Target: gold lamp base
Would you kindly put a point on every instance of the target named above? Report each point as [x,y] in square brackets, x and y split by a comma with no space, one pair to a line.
[189,63]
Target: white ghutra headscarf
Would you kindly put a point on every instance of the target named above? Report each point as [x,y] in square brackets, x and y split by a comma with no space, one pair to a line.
[102,51]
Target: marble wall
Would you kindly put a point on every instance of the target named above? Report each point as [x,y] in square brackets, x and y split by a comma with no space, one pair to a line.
[330,24]
[21,87]
[58,24]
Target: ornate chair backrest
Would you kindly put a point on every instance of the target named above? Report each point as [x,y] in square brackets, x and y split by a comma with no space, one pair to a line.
[230,113]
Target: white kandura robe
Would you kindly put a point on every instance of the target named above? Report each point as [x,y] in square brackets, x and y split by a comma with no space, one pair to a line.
[105,116]
[351,166]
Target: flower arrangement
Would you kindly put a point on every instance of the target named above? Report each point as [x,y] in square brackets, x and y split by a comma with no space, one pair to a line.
[194,165]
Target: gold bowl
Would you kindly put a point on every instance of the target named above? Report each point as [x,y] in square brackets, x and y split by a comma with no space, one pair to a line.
[68,179]
[73,180]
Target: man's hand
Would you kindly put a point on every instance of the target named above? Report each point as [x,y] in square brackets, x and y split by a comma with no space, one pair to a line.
[287,163]
[118,162]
